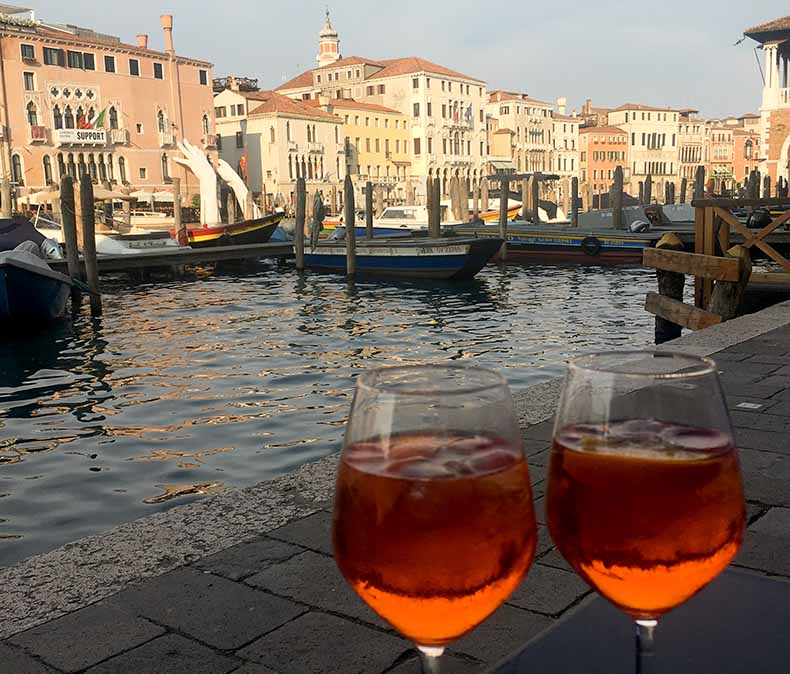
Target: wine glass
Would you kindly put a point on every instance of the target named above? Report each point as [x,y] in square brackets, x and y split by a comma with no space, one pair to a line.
[644,496]
[434,525]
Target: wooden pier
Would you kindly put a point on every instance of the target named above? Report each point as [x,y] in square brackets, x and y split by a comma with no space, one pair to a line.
[180,257]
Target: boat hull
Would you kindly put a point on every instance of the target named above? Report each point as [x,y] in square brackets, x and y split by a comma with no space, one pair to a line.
[31,296]
[443,259]
[259,230]
[596,248]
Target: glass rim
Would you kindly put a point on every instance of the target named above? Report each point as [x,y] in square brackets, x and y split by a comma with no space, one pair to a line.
[698,366]
[372,380]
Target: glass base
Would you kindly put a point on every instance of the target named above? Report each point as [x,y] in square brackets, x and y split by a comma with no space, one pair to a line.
[431,651]
[430,658]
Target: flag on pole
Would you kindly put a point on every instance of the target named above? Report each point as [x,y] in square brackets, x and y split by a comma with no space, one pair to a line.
[98,123]
[82,122]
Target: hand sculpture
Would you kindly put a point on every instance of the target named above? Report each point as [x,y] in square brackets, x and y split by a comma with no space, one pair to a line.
[237,185]
[196,161]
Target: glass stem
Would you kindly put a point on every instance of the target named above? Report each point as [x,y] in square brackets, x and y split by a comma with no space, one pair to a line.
[646,647]
[429,658]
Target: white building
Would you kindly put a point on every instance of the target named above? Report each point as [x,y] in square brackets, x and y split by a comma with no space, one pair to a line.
[445,108]
[530,124]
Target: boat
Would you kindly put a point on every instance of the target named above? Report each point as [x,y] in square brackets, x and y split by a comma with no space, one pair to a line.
[542,243]
[257,230]
[453,258]
[30,292]
[411,219]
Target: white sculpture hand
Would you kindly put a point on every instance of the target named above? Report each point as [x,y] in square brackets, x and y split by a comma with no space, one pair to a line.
[196,161]
[237,185]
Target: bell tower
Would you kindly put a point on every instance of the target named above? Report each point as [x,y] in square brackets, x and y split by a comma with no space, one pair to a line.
[329,44]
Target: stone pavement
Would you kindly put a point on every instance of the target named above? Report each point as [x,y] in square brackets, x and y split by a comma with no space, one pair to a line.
[276,603]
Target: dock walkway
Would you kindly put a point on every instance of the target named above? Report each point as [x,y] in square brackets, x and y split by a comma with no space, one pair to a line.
[245,582]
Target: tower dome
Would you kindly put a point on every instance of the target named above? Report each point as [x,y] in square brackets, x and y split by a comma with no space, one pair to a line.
[328,45]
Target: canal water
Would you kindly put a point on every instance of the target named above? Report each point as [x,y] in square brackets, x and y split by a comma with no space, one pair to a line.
[220,381]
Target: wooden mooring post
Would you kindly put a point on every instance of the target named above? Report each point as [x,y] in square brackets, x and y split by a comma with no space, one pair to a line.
[575,202]
[648,190]
[670,284]
[6,209]
[767,187]
[301,216]
[617,200]
[475,203]
[435,213]
[68,218]
[181,229]
[683,190]
[369,210]
[504,191]
[699,183]
[484,194]
[524,200]
[351,230]
[535,200]
[87,217]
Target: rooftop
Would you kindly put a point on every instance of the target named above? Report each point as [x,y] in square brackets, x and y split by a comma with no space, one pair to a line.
[274,102]
[414,64]
[645,108]
[567,118]
[499,96]
[769,28]
[603,129]
[350,103]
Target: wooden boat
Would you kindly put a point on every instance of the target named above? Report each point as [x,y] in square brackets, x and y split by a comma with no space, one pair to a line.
[30,292]
[259,230]
[448,258]
[551,244]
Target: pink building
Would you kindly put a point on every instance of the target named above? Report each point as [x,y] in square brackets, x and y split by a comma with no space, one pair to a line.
[75,101]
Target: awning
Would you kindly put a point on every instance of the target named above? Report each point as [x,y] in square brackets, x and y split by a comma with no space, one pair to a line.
[502,164]
[99,194]
[722,171]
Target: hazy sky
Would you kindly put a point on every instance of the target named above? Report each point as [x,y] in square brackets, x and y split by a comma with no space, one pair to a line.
[676,53]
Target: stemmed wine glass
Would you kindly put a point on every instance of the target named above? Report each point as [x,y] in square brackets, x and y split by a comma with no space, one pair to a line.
[644,496]
[434,525]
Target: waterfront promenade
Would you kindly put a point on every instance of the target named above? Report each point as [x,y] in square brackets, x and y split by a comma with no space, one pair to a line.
[245,582]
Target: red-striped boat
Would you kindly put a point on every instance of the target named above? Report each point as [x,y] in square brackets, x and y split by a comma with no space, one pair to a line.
[259,230]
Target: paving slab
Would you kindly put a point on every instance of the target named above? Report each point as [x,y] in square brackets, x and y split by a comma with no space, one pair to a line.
[766,546]
[86,637]
[245,559]
[213,610]
[168,654]
[314,579]
[317,643]
[313,532]
[14,659]
[502,633]
[548,591]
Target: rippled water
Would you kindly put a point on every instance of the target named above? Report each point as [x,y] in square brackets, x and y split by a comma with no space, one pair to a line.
[220,381]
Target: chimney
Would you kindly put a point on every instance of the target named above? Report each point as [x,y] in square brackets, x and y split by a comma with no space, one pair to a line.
[233,84]
[142,41]
[167,27]
[562,103]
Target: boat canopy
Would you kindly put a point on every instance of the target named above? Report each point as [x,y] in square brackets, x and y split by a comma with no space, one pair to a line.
[17,230]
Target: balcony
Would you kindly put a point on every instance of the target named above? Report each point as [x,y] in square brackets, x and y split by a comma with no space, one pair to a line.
[209,140]
[38,134]
[166,139]
[293,147]
[315,148]
[119,136]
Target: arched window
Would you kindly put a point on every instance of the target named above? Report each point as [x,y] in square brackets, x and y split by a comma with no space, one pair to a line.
[113,117]
[165,168]
[309,133]
[47,170]
[91,114]
[102,169]
[748,149]
[32,114]
[290,168]
[80,117]
[288,131]
[68,118]
[206,127]
[271,135]
[61,165]
[72,167]
[337,134]
[122,169]
[57,117]
[16,170]
[160,121]
[82,169]
[110,171]
[92,170]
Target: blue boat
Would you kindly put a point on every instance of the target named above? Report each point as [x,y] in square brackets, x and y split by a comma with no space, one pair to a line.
[454,258]
[30,292]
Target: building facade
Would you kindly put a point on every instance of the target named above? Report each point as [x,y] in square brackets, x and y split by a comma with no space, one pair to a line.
[652,142]
[272,140]
[530,123]
[746,154]
[565,146]
[693,147]
[376,144]
[77,101]
[722,156]
[445,108]
[775,108]
[601,150]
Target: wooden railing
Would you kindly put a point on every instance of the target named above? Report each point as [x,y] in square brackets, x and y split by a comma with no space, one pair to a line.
[721,272]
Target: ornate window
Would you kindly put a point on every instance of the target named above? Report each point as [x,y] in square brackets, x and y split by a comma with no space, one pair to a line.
[47,170]
[160,121]
[206,127]
[32,114]
[165,167]
[122,169]
[57,117]
[61,165]
[113,117]
[68,118]
[16,170]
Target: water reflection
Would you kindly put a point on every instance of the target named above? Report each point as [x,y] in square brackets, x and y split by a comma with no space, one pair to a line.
[191,387]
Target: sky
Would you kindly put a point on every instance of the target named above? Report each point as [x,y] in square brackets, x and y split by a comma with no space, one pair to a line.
[675,53]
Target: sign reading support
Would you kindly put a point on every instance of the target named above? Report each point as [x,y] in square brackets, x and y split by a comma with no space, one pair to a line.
[81,136]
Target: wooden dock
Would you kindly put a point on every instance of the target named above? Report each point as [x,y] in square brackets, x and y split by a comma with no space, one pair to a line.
[180,257]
